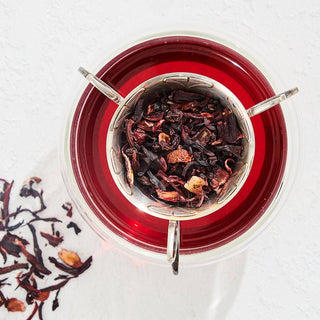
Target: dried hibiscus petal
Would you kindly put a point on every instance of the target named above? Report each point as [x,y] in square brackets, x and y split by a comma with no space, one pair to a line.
[53,240]
[227,166]
[202,136]
[186,145]
[9,245]
[129,134]
[170,196]
[195,184]
[68,207]
[129,171]
[139,135]
[145,125]
[154,117]
[220,177]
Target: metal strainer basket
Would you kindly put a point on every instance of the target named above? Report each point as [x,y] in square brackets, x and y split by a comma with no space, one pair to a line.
[198,84]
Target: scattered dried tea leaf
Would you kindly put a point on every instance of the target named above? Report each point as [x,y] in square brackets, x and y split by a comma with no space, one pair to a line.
[14,267]
[55,302]
[34,311]
[53,240]
[11,244]
[2,299]
[68,207]
[74,226]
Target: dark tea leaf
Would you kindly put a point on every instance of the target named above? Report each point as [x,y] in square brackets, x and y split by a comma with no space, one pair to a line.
[181,146]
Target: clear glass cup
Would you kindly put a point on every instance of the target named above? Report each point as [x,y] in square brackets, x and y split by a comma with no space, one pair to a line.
[89,205]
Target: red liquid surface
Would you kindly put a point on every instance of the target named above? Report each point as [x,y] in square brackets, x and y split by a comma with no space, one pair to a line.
[131,68]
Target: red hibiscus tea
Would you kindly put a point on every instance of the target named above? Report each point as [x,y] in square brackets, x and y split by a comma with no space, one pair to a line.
[88,134]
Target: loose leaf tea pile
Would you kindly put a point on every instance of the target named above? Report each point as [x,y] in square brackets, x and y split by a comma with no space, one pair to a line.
[182,148]
[29,262]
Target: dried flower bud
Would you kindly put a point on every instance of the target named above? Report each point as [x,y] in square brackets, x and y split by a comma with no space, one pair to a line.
[179,155]
[164,140]
[70,258]
[195,185]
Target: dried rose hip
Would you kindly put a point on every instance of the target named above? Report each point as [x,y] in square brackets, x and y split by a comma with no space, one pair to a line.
[15,305]
[70,258]
[181,147]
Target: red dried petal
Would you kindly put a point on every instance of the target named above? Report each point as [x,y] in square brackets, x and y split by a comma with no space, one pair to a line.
[139,135]
[216,142]
[163,164]
[129,171]
[203,136]
[135,162]
[145,125]
[220,177]
[157,125]
[53,240]
[42,295]
[15,305]
[68,207]
[157,116]
[227,165]
[171,196]
[179,155]
[129,135]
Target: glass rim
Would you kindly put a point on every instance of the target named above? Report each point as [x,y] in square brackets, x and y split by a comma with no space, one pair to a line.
[205,256]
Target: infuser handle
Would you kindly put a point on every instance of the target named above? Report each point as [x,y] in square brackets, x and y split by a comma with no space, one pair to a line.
[173,245]
[101,86]
[271,102]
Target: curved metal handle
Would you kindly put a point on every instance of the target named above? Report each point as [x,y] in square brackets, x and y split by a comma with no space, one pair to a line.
[173,245]
[271,102]
[101,86]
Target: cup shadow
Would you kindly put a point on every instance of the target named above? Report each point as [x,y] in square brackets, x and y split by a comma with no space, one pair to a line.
[129,289]
[153,292]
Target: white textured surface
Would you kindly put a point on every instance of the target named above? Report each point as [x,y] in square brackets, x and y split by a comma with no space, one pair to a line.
[42,43]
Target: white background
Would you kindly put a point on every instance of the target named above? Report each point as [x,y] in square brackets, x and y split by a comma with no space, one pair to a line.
[42,43]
